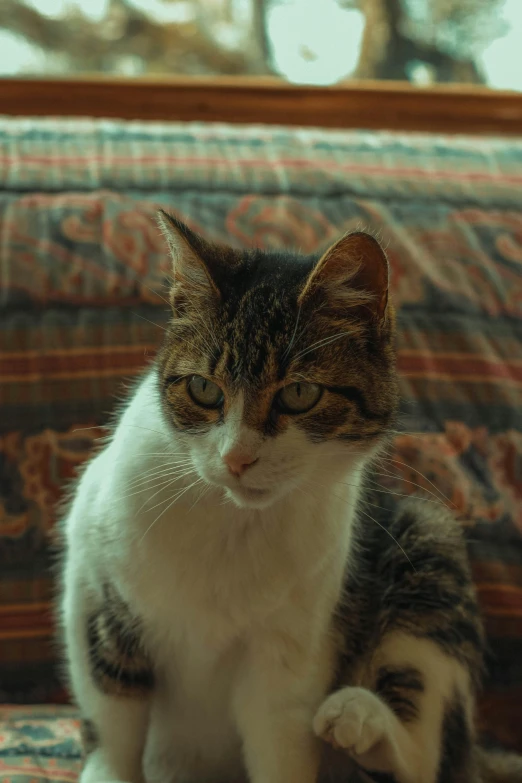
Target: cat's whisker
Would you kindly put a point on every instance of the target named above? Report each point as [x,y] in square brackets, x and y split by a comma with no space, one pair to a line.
[390,535]
[86,429]
[401,479]
[159,468]
[373,519]
[403,494]
[309,323]
[410,467]
[154,480]
[357,509]
[145,488]
[385,491]
[410,434]
[172,470]
[201,495]
[176,498]
[386,472]
[141,283]
[173,459]
[140,491]
[164,464]
[162,467]
[121,424]
[162,454]
[389,454]
[182,490]
[205,342]
[169,456]
[292,339]
[162,489]
[297,376]
[366,502]
[211,334]
[322,343]
[213,339]
[160,471]
[150,322]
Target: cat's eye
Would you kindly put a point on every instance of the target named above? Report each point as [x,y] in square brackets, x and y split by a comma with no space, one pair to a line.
[204,392]
[299,397]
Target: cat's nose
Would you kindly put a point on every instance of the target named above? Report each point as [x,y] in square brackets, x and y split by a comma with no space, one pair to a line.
[237,464]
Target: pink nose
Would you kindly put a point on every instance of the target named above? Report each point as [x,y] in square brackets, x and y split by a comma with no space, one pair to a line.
[237,464]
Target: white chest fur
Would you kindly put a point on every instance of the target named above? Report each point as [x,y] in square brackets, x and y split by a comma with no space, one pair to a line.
[207,580]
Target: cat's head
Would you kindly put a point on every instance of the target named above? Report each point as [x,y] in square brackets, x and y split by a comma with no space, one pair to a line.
[277,368]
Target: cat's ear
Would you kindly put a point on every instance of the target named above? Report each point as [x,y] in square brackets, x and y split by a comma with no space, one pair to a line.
[353,273]
[192,281]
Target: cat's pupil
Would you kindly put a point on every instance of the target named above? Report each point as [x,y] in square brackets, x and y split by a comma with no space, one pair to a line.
[299,397]
[205,392]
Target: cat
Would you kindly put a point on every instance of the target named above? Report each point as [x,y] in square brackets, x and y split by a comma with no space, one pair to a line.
[229,610]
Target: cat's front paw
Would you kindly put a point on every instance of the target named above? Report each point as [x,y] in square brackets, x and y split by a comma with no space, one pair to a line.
[354,719]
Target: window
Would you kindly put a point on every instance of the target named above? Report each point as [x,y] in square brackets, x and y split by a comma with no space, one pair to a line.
[314,42]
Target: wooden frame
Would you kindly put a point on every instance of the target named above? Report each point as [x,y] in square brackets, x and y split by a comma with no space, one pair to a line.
[397,106]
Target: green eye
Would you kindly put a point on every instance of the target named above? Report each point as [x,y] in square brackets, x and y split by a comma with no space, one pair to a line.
[299,397]
[205,392]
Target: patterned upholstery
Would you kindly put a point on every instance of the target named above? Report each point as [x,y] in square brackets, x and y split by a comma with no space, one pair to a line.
[39,745]
[83,272]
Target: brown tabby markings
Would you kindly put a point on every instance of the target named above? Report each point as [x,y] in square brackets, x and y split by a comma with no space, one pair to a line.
[414,636]
[434,599]
[119,663]
[259,334]
[399,687]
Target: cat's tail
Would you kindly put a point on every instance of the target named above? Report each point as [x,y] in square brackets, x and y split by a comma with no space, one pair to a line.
[498,767]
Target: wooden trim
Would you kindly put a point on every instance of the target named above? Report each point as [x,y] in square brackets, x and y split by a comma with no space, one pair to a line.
[398,106]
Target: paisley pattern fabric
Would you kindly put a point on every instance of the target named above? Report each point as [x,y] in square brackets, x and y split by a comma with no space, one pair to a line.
[84,275]
[39,745]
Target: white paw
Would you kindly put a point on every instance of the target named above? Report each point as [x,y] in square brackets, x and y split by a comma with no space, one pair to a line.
[354,719]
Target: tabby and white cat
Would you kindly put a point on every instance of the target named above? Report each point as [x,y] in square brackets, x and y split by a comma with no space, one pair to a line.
[225,607]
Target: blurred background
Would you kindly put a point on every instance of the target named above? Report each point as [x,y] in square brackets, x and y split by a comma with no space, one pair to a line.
[316,42]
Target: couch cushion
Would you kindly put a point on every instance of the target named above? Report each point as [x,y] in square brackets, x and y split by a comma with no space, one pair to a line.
[39,745]
[42,745]
[83,273]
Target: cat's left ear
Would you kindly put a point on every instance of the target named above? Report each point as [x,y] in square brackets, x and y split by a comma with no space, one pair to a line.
[353,273]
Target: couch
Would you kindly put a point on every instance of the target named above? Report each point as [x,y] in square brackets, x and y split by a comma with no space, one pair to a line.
[83,271]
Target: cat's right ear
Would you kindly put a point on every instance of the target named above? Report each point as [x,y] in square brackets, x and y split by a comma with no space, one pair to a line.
[192,281]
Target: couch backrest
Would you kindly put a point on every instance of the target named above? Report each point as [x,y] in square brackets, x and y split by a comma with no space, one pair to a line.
[83,272]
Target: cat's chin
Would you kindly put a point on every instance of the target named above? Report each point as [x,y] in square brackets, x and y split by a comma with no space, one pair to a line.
[245,497]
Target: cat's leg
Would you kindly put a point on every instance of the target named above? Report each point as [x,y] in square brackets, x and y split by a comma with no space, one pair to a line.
[111,679]
[279,690]
[118,727]
[411,717]
[416,670]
